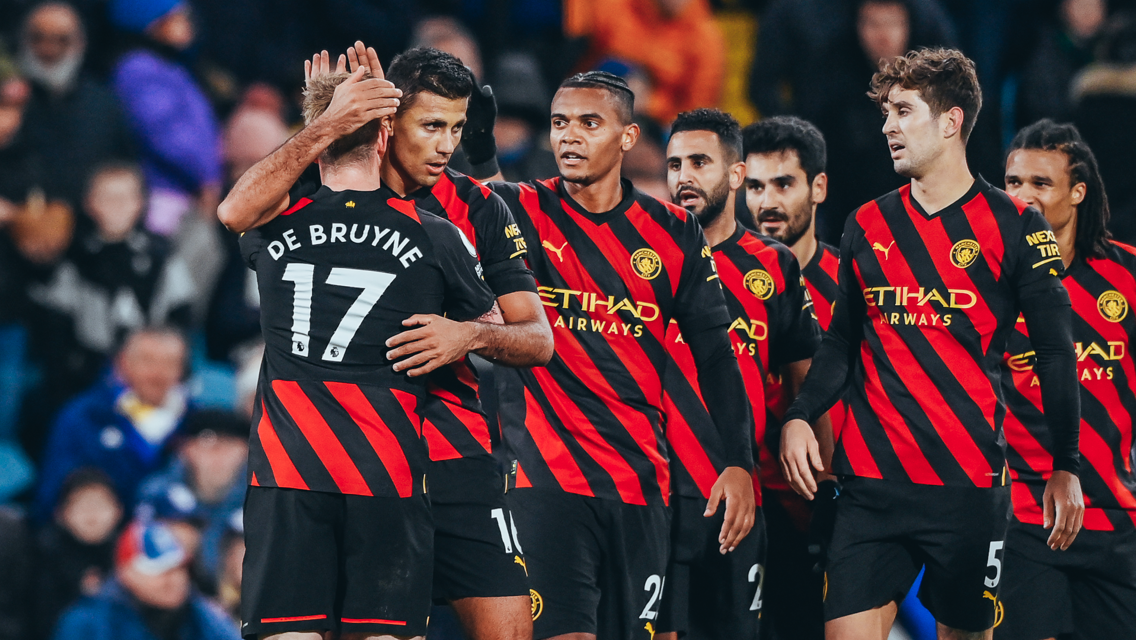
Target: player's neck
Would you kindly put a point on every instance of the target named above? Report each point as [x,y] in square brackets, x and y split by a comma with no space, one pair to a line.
[355,176]
[397,180]
[807,246]
[1067,240]
[944,183]
[724,226]
[600,196]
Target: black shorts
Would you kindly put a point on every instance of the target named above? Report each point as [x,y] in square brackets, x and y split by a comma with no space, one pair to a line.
[595,566]
[793,608]
[887,531]
[1088,590]
[476,552]
[331,562]
[709,595]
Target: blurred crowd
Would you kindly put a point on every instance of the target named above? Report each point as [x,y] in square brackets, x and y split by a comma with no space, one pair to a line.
[129,324]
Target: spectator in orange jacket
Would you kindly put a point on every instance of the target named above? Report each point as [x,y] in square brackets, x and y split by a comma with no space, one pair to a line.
[676,42]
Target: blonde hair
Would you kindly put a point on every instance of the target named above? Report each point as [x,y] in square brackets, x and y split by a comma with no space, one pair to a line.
[352,147]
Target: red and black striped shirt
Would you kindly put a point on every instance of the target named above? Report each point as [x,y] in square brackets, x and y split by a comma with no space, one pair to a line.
[337,275]
[1101,290]
[926,305]
[456,427]
[773,325]
[589,422]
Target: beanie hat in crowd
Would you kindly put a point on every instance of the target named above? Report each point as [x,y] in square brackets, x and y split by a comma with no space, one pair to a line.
[149,548]
[135,16]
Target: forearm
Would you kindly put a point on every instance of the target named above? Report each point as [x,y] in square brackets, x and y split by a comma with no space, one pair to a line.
[260,194]
[723,391]
[1049,322]
[518,344]
[828,377]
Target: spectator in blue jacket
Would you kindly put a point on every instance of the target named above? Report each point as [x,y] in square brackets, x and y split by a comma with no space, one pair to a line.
[206,482]
[149,598]
[122,425]
[176,130]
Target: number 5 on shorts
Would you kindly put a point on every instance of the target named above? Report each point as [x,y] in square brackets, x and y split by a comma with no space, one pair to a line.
[993,561]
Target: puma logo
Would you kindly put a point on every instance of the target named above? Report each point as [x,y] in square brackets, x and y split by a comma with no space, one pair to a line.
[521,561]
[548,245]
[650,629]
[989,596]
[879,247]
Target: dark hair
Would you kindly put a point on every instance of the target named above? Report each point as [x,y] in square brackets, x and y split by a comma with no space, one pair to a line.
[613,84]
[82,478]
[425,69]
[944,78]
[1092,213]
[788,133]
[719,123]
[116,166]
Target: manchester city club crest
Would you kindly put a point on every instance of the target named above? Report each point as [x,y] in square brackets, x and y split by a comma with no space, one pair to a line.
[964,253]
[1112,306]
[537,603]
[646,264]
[759,284]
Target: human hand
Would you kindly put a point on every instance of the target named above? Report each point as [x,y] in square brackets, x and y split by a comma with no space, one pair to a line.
[1064,509]
[800,455]
[436,343]
[735,486]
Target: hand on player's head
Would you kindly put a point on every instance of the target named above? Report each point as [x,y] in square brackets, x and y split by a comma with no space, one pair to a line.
[360,99]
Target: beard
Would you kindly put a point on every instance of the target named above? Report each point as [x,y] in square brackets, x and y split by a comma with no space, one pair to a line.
[715,201]
[58,77]
[795,224]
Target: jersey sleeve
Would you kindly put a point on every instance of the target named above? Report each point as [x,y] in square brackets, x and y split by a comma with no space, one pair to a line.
[699,301]
[252,244]
[502,246]
[1039,267]
[467,296]
[797,334]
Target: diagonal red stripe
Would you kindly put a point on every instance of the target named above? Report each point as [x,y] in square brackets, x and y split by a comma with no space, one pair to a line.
[560,461]
[863,464]
[440,447]
[457,210]
[382,439]
[283,470]
[981,218]
[473,421]
[661,240]
[327,447]
[686,447]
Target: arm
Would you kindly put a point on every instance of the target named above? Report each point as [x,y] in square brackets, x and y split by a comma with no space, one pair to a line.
[1049,322]
[261,193]
[517,336]
[800,453]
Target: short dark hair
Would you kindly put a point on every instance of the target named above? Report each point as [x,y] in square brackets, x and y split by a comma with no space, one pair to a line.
[719,123]
[109,167]
[613,84]
[1092,213]
[425,69]
[944,78]
[788,133]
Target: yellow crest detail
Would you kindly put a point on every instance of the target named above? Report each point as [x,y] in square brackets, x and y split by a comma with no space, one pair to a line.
[964,253]
[1113,306]
[759,284]
[646,264]
[537,603]
[350,204]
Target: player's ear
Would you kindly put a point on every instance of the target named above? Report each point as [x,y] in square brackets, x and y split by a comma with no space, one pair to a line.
[737,175]
[951,122]
[385,129]
[1077,196]
[630,136]
[820,188]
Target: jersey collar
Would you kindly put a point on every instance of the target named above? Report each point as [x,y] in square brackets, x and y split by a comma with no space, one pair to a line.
[607,216]
[979,185]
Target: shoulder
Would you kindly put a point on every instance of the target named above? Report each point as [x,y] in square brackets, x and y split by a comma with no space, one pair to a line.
[660,209]
[1120,253]
[466,187]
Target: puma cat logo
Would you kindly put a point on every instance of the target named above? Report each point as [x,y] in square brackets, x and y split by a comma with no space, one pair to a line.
[548,245]
[879,247]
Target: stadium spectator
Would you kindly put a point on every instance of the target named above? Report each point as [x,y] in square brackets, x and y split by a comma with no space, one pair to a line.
[795,43]
[75,551]
[116,277]
[173,122]
[149,598]
[1105,97]
[522,119]
[204,484]
[859,165]
[73,121]
[448,35]
[677,42]
[17,571]
[122,424]
[1062,48]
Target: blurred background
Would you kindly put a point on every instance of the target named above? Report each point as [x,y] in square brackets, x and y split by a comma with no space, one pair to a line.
[129,324]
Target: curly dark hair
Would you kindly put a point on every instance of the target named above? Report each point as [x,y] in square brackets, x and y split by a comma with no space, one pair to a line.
[424,69]
[1092,214]
[944,78]
[719,123]
[788,133]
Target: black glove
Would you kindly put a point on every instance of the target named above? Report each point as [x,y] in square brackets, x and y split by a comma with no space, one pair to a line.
[478,143]
[824,518]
